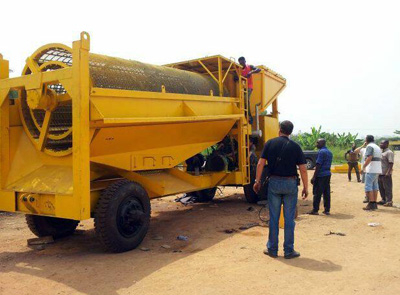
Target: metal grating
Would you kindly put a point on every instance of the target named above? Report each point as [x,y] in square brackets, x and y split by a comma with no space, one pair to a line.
[118,73]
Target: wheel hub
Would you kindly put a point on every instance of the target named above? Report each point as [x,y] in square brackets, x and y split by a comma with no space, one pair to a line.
[131,217]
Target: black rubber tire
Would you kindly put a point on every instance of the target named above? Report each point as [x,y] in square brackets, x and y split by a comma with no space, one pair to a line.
[43,226]
[109,222]
[309,164]
[205,195]
[251,196]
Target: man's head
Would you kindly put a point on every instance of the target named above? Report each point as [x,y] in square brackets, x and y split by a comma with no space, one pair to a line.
[286,128]
[384,144]
[321,143]
[353,146]
[369,139]
[242,61]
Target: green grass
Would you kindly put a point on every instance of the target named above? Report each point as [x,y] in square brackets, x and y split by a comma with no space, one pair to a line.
[338,155]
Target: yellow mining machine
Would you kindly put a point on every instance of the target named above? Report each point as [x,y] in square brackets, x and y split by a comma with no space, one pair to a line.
[84,135]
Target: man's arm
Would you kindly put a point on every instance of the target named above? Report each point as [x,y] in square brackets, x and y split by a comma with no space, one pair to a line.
[318,162]
[304,180]
[390,169]
[345,155]
[254,70]
[260,168]
[366,163]
[358,150]
[391,161]
[317,168]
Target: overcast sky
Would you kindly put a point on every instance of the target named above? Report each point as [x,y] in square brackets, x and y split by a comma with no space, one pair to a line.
[341,59]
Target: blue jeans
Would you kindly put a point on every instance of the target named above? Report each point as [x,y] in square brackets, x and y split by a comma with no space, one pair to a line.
[282,191]
[371,182]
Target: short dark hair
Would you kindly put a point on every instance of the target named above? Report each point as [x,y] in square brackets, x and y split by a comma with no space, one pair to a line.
[286,127]
[370,138]
[241,58]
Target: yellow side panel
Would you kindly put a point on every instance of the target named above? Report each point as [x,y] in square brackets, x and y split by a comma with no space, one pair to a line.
[7,201]
[270,129]
[46,180]
[155,146]
[266,88]
[25,158]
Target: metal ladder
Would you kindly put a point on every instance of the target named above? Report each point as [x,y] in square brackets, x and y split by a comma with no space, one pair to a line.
[243,132]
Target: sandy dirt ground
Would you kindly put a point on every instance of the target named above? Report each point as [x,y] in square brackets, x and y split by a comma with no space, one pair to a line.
[364,261]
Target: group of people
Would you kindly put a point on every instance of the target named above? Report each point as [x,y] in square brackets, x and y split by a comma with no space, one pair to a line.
[283,156]
[377,167]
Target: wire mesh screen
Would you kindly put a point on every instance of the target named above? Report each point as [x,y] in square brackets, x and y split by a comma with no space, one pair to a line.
[118,73]
[106,72]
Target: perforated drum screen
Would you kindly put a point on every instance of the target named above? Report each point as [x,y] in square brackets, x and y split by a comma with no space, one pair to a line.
[105,72]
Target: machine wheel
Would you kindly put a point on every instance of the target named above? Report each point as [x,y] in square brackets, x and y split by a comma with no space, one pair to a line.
[205,195]
[122,216]
[249,193]
[309,163]
[43,226]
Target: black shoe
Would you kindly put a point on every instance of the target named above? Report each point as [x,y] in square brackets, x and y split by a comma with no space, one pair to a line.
[381,203]
[266,252]
[371,206]
[313,212]
[294,254]
[326,212]
[359,180]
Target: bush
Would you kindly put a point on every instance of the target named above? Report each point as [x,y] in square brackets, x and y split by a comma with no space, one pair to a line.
[338,143]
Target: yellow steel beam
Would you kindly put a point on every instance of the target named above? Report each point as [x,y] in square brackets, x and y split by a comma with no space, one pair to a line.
[4,68]
[157,120]
[4,137]
[104,92]
[80,123]
[208,71]
[44,130]
[32,65]
[275,112]
[227,72]
[4,124]
[36,78]
[220,83]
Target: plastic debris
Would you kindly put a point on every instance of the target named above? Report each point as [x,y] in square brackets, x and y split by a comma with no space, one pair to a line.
[145,249]
[166,246]
[374,224]
[186,200]
[182,238]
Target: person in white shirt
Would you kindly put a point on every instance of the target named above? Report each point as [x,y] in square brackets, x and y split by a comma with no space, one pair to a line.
[372,168]
[361,151]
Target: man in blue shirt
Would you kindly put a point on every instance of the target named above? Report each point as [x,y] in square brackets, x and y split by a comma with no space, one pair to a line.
[321,180]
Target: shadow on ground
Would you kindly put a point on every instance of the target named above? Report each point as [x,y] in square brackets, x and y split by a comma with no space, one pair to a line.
[103,270]
[312,264]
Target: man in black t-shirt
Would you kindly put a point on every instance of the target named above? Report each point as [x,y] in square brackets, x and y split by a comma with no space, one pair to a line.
[283,156]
